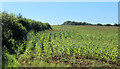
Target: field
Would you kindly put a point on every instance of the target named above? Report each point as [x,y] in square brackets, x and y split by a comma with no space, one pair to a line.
[70,46]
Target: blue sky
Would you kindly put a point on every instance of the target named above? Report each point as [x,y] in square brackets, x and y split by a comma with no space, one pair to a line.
[57,12]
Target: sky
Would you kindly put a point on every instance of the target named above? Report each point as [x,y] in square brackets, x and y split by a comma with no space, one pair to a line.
[56,13]
[59,0]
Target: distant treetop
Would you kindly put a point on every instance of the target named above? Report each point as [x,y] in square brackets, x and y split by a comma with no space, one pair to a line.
[75,23]
[85,23]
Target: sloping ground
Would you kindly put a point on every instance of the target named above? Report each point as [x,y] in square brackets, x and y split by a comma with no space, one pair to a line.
[69,46]
[58,48]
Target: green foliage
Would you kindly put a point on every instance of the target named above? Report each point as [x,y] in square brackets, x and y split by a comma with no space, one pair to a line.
[115,24]
[85,23]
[62,47]
[108,25]
[10,61]
[14,35]
[27,42]
[99,24]
[15,29]
[75,23]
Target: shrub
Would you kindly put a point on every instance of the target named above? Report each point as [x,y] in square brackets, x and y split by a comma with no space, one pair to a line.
[15,29]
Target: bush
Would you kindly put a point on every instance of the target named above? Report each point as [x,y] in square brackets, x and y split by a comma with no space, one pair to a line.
[15,29]
[115,24]
[14,36]
[99,24]
[108,25]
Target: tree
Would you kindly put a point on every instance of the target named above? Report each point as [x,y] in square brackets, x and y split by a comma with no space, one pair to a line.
[15,29]
[115,24]
[75,23]
[108,25]
[99,24]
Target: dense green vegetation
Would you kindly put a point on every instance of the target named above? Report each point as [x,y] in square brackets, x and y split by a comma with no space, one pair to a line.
[30,43]
[15,29]
[85,23]
[66,46]
[75,23]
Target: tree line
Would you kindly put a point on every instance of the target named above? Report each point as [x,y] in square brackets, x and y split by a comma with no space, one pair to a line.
[15,29]
[85,23]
